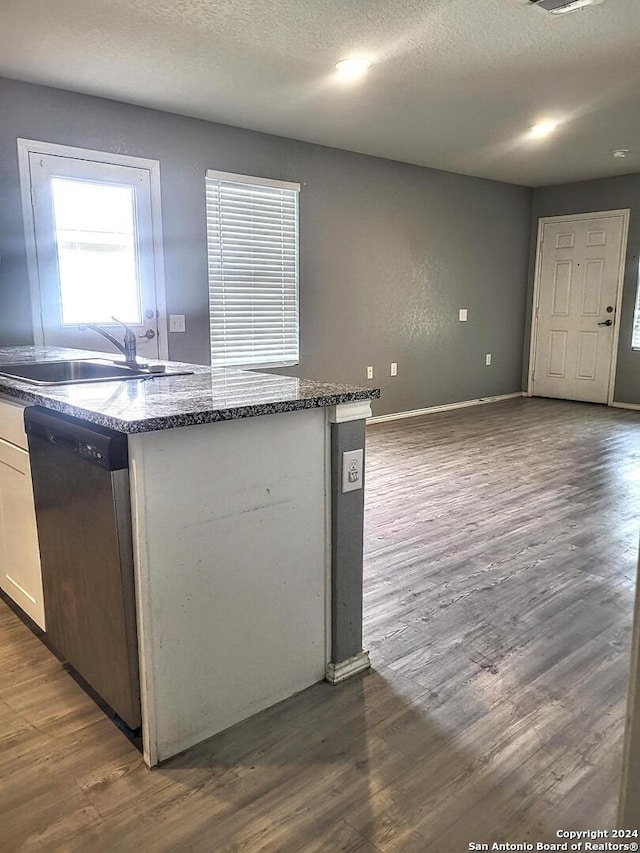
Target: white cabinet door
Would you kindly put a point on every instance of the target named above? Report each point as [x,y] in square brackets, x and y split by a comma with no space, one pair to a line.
[20,574]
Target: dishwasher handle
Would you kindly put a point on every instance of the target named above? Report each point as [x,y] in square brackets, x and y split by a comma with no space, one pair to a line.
[64,441]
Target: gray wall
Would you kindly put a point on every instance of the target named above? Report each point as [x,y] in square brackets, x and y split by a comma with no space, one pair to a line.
[388,252]
[584,197]
[347,528]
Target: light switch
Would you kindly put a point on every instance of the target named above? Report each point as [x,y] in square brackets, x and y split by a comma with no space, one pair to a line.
[352,462]
[176,323]
[462,315]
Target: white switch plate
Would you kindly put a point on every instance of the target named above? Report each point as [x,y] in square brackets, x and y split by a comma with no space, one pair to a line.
[369,372]
[176,323]
[487,359]
[462,315]
[394,368]
[352,462]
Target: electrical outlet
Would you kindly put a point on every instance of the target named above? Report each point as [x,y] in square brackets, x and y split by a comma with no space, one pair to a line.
[487,359]
[369,372]
[394,368]
[352,462]
[462,315]
[176,323]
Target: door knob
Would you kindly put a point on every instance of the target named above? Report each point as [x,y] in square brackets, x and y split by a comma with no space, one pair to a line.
[149,334]
[608,322]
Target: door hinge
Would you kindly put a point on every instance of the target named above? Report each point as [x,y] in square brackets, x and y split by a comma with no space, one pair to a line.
[31,194]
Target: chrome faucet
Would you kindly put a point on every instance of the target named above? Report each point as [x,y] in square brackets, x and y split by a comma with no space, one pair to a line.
[128,348]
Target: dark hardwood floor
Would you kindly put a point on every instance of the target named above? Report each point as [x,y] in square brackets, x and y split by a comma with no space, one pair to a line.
[501,547]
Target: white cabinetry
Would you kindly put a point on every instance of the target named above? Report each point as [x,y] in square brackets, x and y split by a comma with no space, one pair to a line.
[20,575]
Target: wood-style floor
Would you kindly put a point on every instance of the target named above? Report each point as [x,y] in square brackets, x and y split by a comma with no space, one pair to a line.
[501,545]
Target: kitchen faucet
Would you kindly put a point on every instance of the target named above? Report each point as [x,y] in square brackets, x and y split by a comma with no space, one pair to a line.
[128,349]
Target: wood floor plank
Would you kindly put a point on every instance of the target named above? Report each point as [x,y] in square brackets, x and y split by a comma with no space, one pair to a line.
[500,563]
[340,837]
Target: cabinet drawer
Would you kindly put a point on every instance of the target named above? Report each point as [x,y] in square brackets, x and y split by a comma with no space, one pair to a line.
[12,422]
[14,457]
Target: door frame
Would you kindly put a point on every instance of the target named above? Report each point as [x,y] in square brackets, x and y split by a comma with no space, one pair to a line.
[572,217]
[32,146]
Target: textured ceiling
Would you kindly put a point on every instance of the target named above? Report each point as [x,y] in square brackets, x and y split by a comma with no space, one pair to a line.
[455,84]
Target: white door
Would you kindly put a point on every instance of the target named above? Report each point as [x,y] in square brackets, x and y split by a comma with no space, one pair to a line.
[93,229]
[574,331]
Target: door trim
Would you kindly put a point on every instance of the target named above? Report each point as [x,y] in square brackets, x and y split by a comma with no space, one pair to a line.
[32,146]
[542,221]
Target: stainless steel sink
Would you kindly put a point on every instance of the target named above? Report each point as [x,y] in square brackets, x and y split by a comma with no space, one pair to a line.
[77,371]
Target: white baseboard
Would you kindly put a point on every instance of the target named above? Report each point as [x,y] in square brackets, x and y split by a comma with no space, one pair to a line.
[634,406]
[414,413]
[337,672]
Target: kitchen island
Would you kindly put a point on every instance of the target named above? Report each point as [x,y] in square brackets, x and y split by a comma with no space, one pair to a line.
[247,552]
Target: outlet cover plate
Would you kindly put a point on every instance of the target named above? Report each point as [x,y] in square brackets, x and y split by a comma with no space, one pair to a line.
[352,464]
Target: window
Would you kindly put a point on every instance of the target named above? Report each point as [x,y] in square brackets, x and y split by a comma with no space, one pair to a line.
[96,240]
[635,337]
[252,242]
[92,221]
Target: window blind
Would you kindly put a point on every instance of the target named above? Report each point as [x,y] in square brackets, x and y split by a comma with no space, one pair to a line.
[252,245]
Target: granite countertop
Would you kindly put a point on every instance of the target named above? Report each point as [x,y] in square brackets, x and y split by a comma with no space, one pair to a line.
[167,402]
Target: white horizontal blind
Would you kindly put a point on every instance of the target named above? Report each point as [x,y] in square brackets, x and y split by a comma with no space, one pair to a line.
[635,338]
[252,243]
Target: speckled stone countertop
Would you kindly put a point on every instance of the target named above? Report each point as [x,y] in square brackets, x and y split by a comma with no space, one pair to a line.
[167,402]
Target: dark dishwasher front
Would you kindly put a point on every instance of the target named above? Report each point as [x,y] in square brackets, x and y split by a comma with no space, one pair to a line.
[81,488]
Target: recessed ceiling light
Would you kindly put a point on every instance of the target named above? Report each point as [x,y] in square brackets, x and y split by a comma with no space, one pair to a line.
[353,68]
[543,128]
[620,153]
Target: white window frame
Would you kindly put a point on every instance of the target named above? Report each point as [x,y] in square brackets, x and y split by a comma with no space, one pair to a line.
[261,182]
[32,146]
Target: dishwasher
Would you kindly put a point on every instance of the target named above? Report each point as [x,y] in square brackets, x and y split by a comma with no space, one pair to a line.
[80,477]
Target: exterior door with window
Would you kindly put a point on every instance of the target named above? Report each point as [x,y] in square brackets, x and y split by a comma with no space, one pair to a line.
[93,229]
[579,275]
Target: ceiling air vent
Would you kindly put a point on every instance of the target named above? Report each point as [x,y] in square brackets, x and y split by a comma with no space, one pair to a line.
[561,7]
